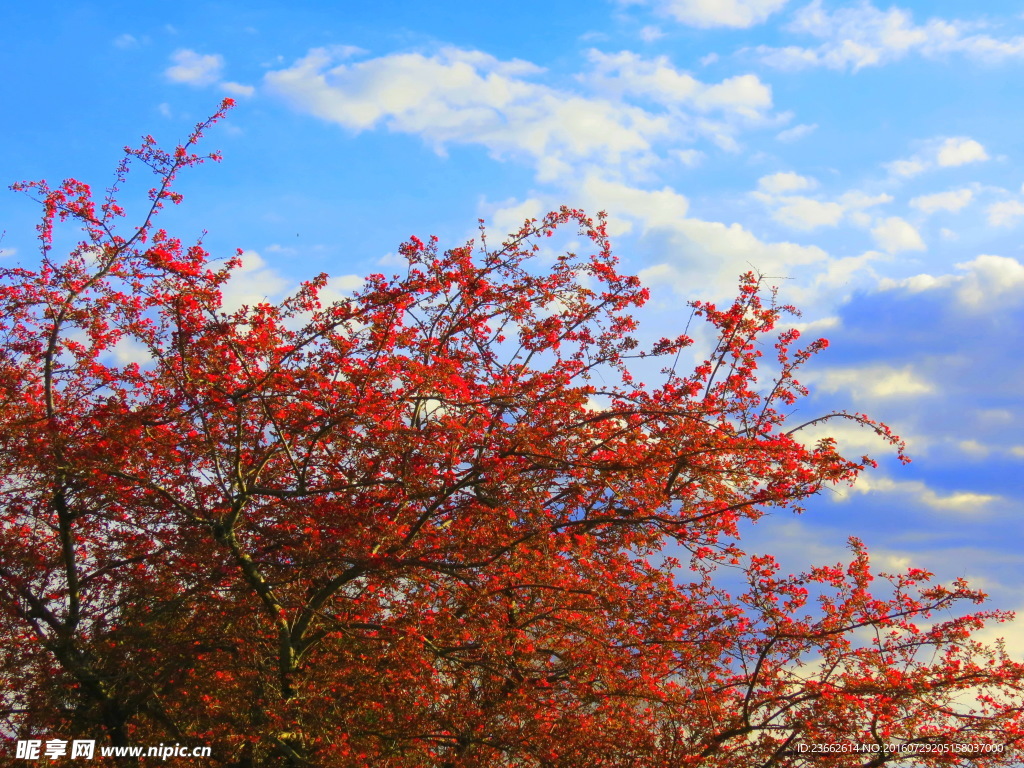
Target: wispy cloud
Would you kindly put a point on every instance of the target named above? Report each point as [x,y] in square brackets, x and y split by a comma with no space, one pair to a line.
[860,35]
[939,153]
[808,213]
[191,68]
[952,201]
[1005,213]
[630,112]
[875,381]
[714,13]
[200,70]
[986,282]
[796,133]
[963,502]
[126,41]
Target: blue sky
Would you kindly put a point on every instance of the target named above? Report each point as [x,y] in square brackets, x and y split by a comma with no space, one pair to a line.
[871,154]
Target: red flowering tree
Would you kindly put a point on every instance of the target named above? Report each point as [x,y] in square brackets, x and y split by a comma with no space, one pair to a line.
[438,523]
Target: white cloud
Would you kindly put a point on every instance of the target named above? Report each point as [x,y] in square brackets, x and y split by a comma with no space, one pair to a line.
[796,133]
[874,381]
[987,282]
[706,256]
[744,94]
[860,219]
[126,41]
[839,276]
[997,416]
[779,183]
[194,68]
[128,350]
[341,287]
[916,283]
[990,280]
[460,96]
[716,13]
[895,235]
[652,209]
[856,200]
[252,283]
[627,73]
[907,167]
[650,33]
[964,502]
[458,88]
[830,323]
[1011,634]
[691,255]
[959,151]
[973,448]
[851,439]
[1005,213]
[858,36]
[945,153]
[509,216]
[688,157]
[803,213]
[951,201]
[238,89]
[733,241]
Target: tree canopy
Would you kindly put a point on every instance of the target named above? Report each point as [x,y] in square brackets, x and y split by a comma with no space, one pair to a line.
[443,522]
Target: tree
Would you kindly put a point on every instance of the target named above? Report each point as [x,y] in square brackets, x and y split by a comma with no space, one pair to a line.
[439,523]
